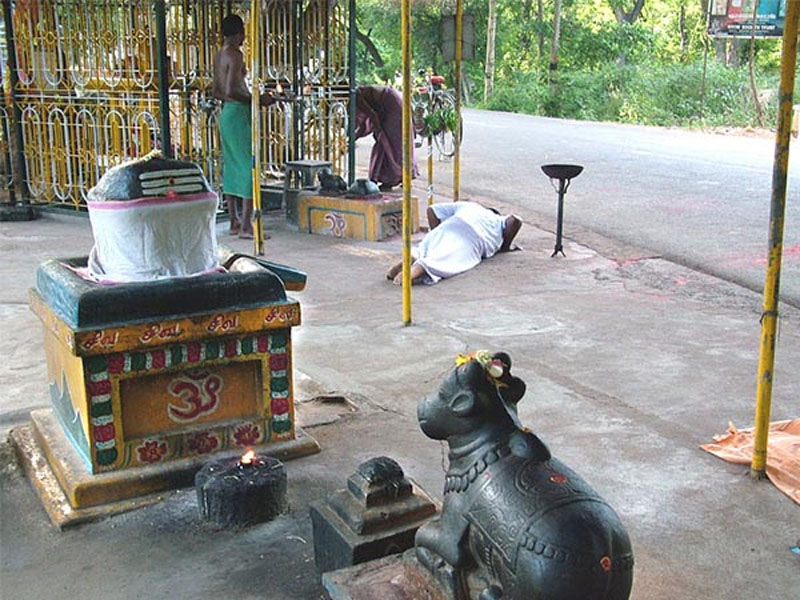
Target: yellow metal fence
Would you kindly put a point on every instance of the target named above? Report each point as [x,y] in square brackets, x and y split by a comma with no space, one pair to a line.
[88,86]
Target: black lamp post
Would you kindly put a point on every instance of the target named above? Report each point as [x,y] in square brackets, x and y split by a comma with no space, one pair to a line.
[564,174]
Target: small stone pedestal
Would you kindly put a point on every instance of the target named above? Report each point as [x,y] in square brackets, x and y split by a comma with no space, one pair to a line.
[373,219]
[377,515]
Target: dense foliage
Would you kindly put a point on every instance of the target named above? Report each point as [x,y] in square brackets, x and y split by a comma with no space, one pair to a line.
[657,68]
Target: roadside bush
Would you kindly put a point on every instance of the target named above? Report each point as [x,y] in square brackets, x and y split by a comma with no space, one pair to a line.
[524,94]
[647,94]
[589,95]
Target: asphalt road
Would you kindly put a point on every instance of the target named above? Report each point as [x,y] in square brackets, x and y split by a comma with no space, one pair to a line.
[698,199]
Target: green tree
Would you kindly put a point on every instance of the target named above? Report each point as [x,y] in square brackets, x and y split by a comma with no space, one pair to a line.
[622,60]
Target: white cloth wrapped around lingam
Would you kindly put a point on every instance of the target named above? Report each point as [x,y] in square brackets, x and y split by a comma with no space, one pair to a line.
[152,218]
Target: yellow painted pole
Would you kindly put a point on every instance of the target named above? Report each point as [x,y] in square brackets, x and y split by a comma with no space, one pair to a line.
[769,316]
[429,72]
[255,113]
[457,141]
[430,169]
[407,141]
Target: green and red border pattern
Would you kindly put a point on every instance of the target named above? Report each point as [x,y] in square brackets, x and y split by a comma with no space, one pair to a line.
[272,347]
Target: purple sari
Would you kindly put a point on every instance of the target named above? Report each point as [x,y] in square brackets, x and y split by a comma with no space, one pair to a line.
[386,126]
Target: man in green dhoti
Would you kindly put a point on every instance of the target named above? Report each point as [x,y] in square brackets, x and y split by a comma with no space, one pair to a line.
[235,126]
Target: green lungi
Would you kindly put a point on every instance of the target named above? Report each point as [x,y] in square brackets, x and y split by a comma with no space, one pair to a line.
[235,134]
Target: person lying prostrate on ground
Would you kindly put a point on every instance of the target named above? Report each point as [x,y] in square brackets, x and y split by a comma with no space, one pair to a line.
[461,235]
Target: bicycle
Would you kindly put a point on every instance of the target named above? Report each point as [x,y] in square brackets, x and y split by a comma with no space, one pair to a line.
[433,110]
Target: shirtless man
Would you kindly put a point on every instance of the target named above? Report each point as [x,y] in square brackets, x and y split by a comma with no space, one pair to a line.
[235,126]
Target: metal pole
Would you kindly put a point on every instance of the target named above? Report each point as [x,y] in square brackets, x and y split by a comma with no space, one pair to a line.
[459,52]
[163,76]
[186,126]
[430,169]
[255,115]
[430,140]
[300,140]
[19,174]
[325,84]
[562,188]
[351,113]
[5,135]
[769,316]
[406,38]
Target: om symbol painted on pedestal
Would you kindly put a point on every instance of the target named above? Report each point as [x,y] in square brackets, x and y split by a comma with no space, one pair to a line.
[198,391]
[338,224]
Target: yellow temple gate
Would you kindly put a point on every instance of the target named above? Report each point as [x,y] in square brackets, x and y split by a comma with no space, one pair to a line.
[83,87]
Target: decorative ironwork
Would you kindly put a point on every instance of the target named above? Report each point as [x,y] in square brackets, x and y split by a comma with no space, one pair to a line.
[88,86]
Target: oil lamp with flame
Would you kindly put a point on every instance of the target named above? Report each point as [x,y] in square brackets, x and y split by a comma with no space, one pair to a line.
[242,490]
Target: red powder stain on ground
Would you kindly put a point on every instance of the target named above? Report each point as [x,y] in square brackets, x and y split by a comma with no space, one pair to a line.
[680,280]
[789,254]
[628,261]
[792,252]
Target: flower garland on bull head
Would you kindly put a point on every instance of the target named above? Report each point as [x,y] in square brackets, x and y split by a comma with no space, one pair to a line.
[509,390]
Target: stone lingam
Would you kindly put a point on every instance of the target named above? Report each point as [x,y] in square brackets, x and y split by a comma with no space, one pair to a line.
[516,523]
[163,349]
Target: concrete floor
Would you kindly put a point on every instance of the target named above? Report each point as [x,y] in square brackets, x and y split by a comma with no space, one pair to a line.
[631,362]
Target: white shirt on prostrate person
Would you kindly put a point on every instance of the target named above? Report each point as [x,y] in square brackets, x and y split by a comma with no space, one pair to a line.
[468,233]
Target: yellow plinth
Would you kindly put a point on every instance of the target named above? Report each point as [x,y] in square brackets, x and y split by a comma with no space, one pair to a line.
[374,220]
[142,394]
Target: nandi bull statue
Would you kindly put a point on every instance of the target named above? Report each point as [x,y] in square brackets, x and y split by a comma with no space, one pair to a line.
[515,523]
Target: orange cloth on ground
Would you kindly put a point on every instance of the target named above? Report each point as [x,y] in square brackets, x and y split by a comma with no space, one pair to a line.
[783,453]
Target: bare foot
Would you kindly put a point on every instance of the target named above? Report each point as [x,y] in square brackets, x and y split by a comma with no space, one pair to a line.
[392,273]
[398,280]
[246,235]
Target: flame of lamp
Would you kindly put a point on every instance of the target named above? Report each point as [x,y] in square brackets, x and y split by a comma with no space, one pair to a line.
[248,458]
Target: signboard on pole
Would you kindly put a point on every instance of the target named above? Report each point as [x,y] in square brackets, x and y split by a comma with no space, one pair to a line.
[734,18]
[449,37]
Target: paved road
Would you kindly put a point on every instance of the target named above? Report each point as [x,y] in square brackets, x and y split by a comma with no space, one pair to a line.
[698,199]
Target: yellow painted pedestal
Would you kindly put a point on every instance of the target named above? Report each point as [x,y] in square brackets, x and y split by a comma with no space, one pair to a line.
[358,219]
[142,404]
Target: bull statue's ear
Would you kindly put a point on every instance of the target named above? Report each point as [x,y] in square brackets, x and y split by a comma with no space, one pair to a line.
[463,403]
[514,391]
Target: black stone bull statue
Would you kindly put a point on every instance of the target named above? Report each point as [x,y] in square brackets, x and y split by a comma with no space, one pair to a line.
[516,523]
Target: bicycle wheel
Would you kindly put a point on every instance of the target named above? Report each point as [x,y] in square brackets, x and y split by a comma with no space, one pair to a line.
[445,139]
[418,109]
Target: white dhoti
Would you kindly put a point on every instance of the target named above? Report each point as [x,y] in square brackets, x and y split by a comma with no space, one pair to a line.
[468,233]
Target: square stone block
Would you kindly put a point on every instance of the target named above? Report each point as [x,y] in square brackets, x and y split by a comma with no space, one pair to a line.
[338,545]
